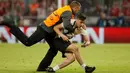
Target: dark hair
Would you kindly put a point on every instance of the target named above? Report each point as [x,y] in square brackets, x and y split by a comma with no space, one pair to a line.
[74,4]
[81,16]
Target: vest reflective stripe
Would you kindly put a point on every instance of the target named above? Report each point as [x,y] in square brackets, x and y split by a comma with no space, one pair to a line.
[55,16]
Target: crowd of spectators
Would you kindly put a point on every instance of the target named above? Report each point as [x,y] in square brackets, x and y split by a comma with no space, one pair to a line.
[31,12]
[117,15]
[112,13]
[28,11]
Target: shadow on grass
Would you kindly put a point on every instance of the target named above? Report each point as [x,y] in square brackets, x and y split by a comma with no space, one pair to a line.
[18,71]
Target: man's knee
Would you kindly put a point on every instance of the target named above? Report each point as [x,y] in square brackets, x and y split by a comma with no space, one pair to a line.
[76,48]
[27,44]
[53,51]
[73,48]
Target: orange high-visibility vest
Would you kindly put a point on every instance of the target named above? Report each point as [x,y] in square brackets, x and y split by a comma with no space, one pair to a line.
[55,16]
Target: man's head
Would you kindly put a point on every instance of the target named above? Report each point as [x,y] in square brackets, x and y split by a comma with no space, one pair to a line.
[76,6]
[80,20]
[102,15]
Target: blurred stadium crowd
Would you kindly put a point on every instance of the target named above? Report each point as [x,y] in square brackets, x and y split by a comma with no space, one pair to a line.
[28,11]
[102,13]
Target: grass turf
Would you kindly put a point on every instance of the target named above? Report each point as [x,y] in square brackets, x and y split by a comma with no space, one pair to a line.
[108,58]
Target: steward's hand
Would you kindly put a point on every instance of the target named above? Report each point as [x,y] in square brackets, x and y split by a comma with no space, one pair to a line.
[65,38]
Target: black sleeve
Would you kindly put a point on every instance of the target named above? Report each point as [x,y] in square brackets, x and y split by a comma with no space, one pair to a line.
[66,16]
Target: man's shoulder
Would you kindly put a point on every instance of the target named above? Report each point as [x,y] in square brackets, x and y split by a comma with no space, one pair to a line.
[66,13]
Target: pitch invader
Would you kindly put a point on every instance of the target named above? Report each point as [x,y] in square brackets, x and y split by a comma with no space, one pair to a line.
[69,50]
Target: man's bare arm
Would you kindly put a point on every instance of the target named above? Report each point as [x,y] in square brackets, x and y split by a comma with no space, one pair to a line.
[86,39]
[57,29]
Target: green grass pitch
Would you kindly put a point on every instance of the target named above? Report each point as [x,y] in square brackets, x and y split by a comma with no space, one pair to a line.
[108,58]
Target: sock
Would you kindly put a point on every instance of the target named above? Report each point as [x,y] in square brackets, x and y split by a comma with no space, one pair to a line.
[56,68]
[83,65]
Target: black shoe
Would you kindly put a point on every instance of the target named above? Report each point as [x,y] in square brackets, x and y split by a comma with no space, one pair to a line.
[50,70]
[89,69]
[8,20]
[41,70]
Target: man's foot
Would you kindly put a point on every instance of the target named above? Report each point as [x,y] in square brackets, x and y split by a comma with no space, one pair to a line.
[41,70]
[89,69]
[50,70]
[7,20]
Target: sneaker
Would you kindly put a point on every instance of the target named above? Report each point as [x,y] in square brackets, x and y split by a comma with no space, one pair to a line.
[7,20]
[89,69]
[42,69]
[50,70]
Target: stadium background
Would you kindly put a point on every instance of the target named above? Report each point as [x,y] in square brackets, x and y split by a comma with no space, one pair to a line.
[108,27]
[109,16]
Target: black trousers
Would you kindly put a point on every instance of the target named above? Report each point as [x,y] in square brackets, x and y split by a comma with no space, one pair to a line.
[47,60]
[37,36]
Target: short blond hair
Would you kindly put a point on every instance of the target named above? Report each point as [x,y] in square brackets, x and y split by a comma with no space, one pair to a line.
[74,4]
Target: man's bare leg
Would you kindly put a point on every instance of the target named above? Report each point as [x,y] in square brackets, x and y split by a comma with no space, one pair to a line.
[72,48]
[75,50]
[70,58]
